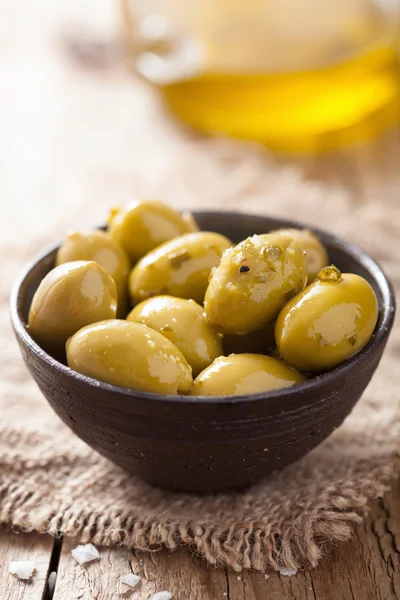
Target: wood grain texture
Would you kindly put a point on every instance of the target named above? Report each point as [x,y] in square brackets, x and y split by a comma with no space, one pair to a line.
[24,546]
[99,579]
[367,568]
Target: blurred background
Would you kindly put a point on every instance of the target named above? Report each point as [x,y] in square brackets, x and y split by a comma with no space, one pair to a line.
[102,101]
[105,99]
[299,75]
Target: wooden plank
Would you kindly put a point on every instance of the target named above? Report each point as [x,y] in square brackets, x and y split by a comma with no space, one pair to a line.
[367,568]
[24,546]
[178,572]
[99,579]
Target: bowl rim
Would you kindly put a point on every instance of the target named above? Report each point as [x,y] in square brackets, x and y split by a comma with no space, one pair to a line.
[387,311]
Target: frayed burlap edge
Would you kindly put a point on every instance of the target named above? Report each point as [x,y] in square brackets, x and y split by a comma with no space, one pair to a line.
[247,545]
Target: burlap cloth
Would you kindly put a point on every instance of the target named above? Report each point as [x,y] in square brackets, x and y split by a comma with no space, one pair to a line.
[52,482]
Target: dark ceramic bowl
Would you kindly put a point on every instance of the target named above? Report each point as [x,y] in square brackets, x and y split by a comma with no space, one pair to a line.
[207,444]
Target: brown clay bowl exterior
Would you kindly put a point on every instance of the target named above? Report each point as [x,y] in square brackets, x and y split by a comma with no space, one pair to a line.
[207,444]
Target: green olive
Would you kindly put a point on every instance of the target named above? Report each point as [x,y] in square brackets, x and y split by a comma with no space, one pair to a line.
[183,322]
[129,355]
[258,342]
[316,254]
[180,267]
[253,282]
[142,225]
[329,321]
[244,374]
[71,296]
[98,246]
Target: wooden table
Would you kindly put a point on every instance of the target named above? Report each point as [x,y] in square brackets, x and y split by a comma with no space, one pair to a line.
[53,107]
[367,568]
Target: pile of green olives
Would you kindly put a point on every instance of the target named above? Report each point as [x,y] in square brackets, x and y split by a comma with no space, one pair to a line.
[155,304]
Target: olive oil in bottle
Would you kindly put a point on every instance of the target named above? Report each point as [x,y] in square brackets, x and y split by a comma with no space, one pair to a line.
[297,75]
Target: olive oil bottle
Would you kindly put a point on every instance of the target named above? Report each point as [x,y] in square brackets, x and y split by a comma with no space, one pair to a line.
[297,75]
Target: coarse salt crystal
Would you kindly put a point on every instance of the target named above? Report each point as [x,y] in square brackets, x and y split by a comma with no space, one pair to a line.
[161,596]
[130,580]
[85,553]
[266,576]
[239,578]
[23,569]
[288,572]
[51,584]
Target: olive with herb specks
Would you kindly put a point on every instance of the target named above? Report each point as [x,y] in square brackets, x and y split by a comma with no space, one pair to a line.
[180,267]
[316,255]
[253,282]
[102,249]
[183,322]
[129,355]
[143,225]
[244,374]
[329,321]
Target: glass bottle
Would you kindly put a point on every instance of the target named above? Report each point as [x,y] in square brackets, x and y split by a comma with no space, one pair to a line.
[297,75]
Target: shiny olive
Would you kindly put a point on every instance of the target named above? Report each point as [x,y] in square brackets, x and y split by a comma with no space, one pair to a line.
[100,247]
[71,296]
[180,267]
[258,342]
[253,282]
[244,374]
[316,254]
[183,322]
[329,321]
[129,355]
[142,225]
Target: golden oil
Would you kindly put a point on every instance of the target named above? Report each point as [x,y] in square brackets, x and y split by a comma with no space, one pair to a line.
[306,111]
[337,102]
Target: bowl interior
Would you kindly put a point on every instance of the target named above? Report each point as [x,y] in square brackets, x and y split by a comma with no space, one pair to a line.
[236,226]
